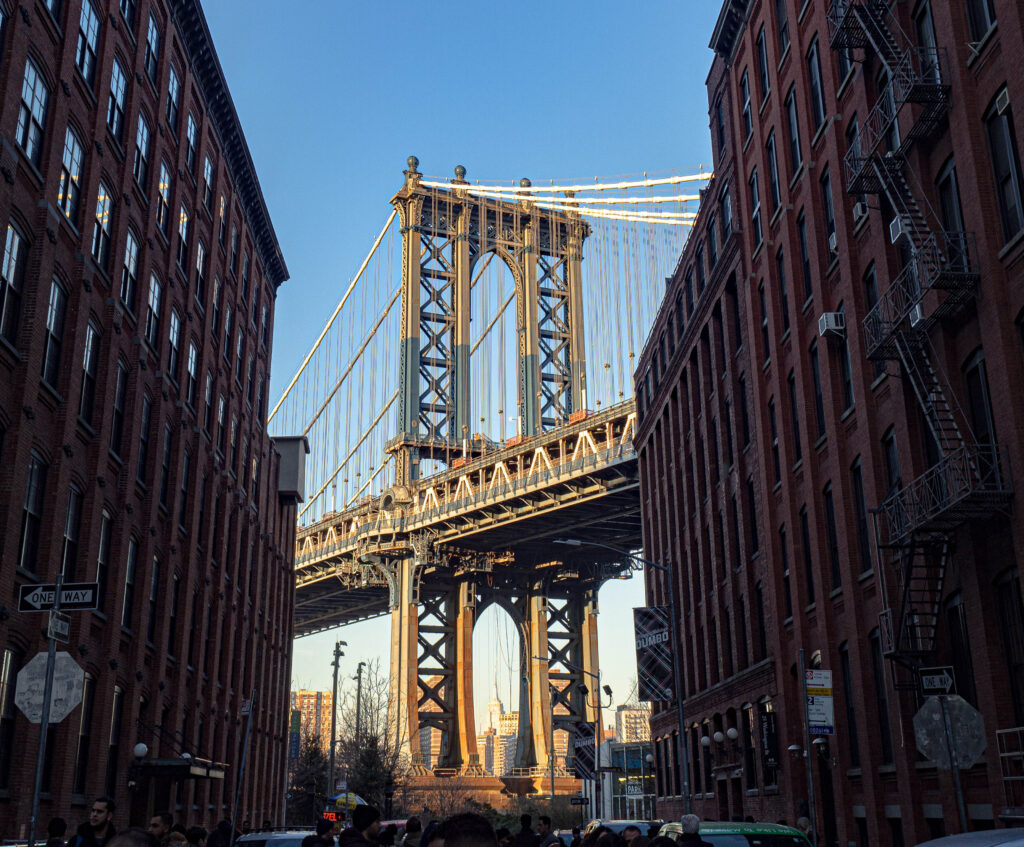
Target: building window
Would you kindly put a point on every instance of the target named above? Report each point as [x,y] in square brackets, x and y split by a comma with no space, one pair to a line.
[250,379]
[140,166]
[1011,625]
[88,39]
[165,464]
[152,49]
[32,513]
[755,203]
[699,267]
[163,198]
[793,126]
[766,342]
[90,367]
[817,89]
[960,648]
[762,65]
[725,204]
[780,272]
[153,313]
[227,333]
[761,632]
[186,471]
[191,143]
[748,119]
[828,210]
[147,406]
[782,26]
[130,271]
[884,733]
[787,594]
[12,281]
[201,274]
[173,99]
[712,244]
[846,672]
[832,536]
[114,741]
[117,417]
[174,346]
[193,374]
[128,9]
[819,400]
[794,414]
[805,543]
[774,428]
[32,113]
[234,443]
[979,404]
[891,456]
[69,190]
[54,333]
[774,191]
[102,226]
[265,317]
[719,126]
[8,713]
[861,514]
[128,606]
[222,218]
[208,410]
[755,543]
[234,250]
[981,17]
[154,597]
[103,560]
[207,181]
[115,105]
[744,411]
[83,766]
[72,531]
[221,425]
[1002,141]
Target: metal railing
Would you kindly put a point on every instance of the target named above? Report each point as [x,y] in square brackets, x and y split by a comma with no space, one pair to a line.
[1010,744]
[967,482]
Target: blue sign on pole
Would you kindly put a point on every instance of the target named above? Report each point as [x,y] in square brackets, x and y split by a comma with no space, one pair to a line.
[293,745]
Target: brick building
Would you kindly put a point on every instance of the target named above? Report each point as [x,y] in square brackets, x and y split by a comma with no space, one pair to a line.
[314,708]
[137,288]
[843,334]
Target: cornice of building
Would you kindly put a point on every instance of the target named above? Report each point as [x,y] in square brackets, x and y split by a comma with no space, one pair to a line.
[195,35]
[729,25]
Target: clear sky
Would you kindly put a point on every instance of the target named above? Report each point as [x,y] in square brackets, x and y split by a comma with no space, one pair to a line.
[333,96]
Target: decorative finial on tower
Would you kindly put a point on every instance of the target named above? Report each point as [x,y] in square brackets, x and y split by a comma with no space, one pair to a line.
[460,172]
[413,163]
[525,183]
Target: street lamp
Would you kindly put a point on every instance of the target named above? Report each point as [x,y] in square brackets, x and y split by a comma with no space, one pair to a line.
[673,613]
[597,706]
[338,653]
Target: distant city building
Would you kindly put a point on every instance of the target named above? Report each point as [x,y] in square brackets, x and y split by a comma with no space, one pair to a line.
[485,744]
[495,709]
[314,708]
[633,723]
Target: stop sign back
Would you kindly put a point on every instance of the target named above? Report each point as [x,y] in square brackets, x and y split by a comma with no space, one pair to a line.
[967,727]
[68,679]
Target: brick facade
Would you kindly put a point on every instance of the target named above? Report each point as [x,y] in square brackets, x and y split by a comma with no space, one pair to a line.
[156,447]
[762,453]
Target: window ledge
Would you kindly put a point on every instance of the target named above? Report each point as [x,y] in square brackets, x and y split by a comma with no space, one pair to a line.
[796,176]
[866,575]
[746,144]
[776,215]
[832,265]
[982,43]
[810,607]
[764,103]
[799,463]
[845,84]
[879,379]
[787,621]
[757,249]
[835,592]
[821,441]
[807,304]
[819,133]
[777,486]
[1011,245]
[785,55]
[885,770]
[848,412]
[854,773]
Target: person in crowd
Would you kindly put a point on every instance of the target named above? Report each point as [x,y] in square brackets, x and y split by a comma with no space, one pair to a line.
[504,837]
[546,834]
[630,832]
[526,837]
[196,836]
[56,829]
[387,835]
[99,829]
[160,826]
[324,834]
[430,834]
[413,832]
[575,837]
[221,836]
[469,829]
[690,836]
[134,836]
[364,830]
[662,841]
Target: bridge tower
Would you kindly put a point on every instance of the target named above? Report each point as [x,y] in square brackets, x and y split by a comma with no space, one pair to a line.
[446,231]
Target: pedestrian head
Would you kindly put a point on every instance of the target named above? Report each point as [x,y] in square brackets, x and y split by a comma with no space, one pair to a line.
[690,824]
[197,836]
[101,812]
[803,823]
[525,821]
[469,830]
[413,825]
[504,836]
[324,827]
[160,825]
[132,837]
[630,832]
[56,827]
[543,824]
[366,819]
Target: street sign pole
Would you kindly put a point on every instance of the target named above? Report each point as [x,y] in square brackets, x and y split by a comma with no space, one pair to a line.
[807,753]
[954,763]
[51,655]
[241,767]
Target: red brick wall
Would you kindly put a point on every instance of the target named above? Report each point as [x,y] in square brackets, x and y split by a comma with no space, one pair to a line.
[681,409]
[235,563]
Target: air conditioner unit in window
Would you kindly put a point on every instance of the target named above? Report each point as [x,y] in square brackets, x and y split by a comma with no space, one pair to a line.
[1003,101]
[860,210]
[832,325]
[916,314]
[898,226]
[833,243]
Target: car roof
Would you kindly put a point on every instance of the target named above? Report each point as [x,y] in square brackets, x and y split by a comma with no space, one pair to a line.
[985,838]
[740,828]
[269,834]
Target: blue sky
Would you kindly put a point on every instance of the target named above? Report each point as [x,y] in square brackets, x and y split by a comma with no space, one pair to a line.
[334,96]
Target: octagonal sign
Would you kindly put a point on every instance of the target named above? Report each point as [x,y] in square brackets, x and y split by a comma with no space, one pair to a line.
[967,727]
[68,680]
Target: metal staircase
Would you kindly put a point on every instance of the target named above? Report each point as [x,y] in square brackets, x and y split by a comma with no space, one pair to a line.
[937,280]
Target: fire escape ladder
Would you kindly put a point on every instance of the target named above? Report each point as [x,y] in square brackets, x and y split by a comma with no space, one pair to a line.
[922,570]
[872,16]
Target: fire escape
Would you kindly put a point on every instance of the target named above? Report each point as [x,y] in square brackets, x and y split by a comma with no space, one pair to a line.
[938,280]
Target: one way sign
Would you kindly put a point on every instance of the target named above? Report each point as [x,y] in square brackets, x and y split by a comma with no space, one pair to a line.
[73,595]
[937,681]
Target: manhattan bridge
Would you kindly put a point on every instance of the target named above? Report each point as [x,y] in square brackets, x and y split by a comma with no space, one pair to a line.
[468,405]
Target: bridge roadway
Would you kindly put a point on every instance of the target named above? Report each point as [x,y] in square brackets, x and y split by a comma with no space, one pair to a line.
[498,510]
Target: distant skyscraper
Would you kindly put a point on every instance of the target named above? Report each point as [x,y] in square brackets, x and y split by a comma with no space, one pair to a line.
[633,723]
[485,744]
[495,709]
[314,708]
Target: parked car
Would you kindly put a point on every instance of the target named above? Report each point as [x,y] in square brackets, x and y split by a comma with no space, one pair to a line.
[1012,837]
[274,838]
[723,834]
[618,825]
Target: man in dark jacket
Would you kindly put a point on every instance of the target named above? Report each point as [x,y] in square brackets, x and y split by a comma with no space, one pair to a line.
[99,829]
[526,837]
[324,834]
[364,830]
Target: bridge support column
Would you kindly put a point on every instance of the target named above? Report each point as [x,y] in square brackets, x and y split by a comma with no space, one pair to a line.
[463,342]
[469,757]
[577,344]
[540,686]
[589,645]
[529,333]
[404,661]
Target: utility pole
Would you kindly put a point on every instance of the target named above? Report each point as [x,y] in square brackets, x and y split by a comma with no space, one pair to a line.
[338,653]
[359,701]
